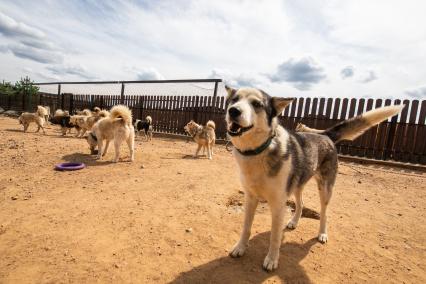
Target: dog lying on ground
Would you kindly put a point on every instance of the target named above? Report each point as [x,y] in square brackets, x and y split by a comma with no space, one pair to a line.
[300,127]
[145,126]
[86,122]
[204,136]
[39,117]
[118,127]
[62,118]
[275,163]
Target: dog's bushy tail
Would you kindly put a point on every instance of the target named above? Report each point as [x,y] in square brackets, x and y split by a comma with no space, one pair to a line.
[351,128]
[96,109]
[148,119]
[121,112]
[211,124]
[41,111]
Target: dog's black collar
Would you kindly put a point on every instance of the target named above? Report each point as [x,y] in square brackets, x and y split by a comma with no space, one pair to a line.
[244,129]
[93,136]
[258,150]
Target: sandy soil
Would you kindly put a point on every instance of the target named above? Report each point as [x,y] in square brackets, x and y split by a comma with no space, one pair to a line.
[170,218]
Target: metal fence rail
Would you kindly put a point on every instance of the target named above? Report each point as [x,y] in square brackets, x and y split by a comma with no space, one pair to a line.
[401,138]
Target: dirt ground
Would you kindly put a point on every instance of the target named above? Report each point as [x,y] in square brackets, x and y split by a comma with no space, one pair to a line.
[170,218]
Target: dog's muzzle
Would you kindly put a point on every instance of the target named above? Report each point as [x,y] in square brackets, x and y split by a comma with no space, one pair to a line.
[237,130]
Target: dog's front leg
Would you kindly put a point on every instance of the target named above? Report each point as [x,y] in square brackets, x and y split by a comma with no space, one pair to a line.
[277,211]
[250,205]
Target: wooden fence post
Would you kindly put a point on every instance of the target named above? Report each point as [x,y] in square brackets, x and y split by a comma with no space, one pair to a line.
[122,94]
[62,97]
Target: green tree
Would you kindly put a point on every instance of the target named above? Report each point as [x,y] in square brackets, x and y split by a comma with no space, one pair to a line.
[7,88]
[25,86]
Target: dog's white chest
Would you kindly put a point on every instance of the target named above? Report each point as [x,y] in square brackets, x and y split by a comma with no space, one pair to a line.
[255,179]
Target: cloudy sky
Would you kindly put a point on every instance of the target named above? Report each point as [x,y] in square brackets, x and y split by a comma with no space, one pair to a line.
[351,48]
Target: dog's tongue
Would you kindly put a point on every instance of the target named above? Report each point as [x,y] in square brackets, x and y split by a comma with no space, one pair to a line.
[234,127]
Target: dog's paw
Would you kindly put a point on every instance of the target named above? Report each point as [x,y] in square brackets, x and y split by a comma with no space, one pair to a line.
[238,250]
[270,263]
[292,224]
[322,238]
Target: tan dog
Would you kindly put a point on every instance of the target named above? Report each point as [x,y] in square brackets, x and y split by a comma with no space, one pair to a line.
[275,163]
[204,136]
[85,112]
[86,122]
[118,127]
[39,117]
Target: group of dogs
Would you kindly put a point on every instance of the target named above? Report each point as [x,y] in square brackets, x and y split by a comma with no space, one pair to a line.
[101,125]
[274,162]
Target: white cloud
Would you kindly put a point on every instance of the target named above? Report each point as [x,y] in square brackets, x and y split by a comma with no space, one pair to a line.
[11,27]
[418,93]
[235,80]
[301,73]
[75,70]
[149,74]
[347,72]
[370,76]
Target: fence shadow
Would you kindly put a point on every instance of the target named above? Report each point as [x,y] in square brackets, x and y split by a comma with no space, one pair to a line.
[247,269]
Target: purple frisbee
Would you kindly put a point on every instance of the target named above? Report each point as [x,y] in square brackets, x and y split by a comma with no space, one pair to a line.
[69,166]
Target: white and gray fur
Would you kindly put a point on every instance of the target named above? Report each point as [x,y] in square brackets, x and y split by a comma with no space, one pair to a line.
[287,163]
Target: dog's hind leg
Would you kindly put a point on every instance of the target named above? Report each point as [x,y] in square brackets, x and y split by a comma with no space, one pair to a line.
[325,187]
[131,144]
[209,151]
[117,143]
[100,150]
[106,148]
[292,223]
[250,205]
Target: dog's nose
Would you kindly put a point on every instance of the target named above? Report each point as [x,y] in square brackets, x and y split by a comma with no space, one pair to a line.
[234,112]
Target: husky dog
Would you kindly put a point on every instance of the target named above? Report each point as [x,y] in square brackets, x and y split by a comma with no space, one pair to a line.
[39,117]
[118,127]
[86,122]
[146,126]
[275,163]
[62,118]
[300,127]
[204,136]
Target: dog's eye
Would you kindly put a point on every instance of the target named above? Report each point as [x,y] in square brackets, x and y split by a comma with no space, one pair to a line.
[256,104]
[234,99]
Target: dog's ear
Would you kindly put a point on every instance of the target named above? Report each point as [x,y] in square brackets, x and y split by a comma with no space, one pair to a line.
[231,92]
[279,104]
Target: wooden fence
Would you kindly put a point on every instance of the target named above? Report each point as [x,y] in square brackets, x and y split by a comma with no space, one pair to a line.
[402,138]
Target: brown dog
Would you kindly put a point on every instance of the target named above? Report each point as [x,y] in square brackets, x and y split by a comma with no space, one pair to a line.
[204,136]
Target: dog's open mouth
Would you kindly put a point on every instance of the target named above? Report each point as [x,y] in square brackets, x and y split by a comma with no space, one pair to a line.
[236,130]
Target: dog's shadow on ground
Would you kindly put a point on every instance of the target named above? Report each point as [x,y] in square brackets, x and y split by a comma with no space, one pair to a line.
[247,269]
[89,160]
[19,130]
[186,156]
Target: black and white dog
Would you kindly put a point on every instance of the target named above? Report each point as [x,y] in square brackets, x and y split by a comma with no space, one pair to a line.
[275,163]
[145,126]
